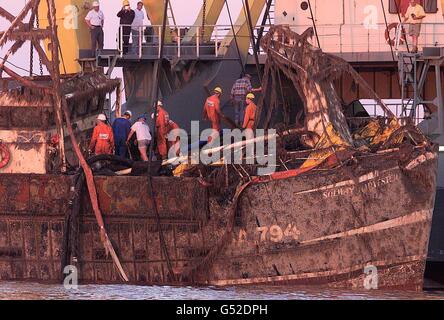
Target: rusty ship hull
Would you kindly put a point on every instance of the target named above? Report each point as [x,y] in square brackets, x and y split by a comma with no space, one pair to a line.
[319,228]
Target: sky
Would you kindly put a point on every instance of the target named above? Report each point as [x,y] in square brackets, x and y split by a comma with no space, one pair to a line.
[185,12]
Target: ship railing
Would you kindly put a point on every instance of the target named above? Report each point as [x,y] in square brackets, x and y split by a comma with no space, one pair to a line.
[399,109]
[182,41]
[213,41]
[362,39]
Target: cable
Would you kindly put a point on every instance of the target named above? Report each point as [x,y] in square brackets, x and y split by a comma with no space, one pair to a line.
[235,37]
[18,67]
[386,25]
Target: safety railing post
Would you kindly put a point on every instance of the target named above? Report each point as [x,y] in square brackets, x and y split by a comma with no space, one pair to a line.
[198,42]
[178,42]
[159,44]
[141,35]
[216,42]
[121,41]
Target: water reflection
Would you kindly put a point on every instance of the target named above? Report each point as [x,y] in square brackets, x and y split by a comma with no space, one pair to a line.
[33,291]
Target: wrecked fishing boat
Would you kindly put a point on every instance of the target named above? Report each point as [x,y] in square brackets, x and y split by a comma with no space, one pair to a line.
[345,195]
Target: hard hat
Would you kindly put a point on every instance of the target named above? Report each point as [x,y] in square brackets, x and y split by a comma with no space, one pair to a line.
[126,3]
[142,117]
[250,96]
[128,113]
[159,103]
[101,117]
[218,90]
[96,4]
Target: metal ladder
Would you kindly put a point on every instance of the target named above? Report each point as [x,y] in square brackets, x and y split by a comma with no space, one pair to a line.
[271,12]
[408,77]
[413,71]
[268,17]
[171,17]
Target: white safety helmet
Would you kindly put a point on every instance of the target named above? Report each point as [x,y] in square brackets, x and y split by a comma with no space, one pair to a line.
[159,103]
[101,117]
[128,113]
[96,4]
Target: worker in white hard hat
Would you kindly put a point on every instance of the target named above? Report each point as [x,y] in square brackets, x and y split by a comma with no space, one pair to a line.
[164,126]
[121,130]
[95,20]
[102,141]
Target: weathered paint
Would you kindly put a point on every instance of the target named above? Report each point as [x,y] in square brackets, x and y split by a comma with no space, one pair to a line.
[287,231]
[24,145]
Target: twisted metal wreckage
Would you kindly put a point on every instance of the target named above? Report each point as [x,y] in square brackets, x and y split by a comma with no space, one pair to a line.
[326,213]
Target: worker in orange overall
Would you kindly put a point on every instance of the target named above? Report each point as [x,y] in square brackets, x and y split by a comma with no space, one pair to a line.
[102,141]
[162,125]
[212,112]
[250,116]
[250,112]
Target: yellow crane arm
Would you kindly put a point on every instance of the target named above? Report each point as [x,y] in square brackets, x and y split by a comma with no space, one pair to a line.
[155,10]
[213,10]
[241,28]
[72,31]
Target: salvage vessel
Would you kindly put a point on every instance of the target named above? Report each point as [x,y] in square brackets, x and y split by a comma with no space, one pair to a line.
[345,195]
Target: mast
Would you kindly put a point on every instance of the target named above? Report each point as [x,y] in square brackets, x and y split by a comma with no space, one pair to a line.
[19,31]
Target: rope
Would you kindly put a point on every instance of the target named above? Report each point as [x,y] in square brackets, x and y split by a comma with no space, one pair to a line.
[150,179]
[18,67]
[314,24]
[204,18]
[235,37]
[386,25]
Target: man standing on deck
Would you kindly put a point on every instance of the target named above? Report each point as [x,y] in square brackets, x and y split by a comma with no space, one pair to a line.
[95,20]
[137,28]
[162,122]
[250,112]
[212,112]
[239,93]
[414,15]
[164,125]
[121,130]
[143,135]
[126,16]
[102,141]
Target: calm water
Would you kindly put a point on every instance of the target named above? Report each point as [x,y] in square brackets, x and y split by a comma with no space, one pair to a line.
[33,291]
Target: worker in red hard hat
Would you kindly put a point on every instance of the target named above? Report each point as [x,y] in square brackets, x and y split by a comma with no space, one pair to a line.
[102,141]
[213,113]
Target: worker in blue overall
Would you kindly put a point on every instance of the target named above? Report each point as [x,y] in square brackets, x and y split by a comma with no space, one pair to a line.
[121,130]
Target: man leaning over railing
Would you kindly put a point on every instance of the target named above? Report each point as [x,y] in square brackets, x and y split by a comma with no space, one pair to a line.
[414,15]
